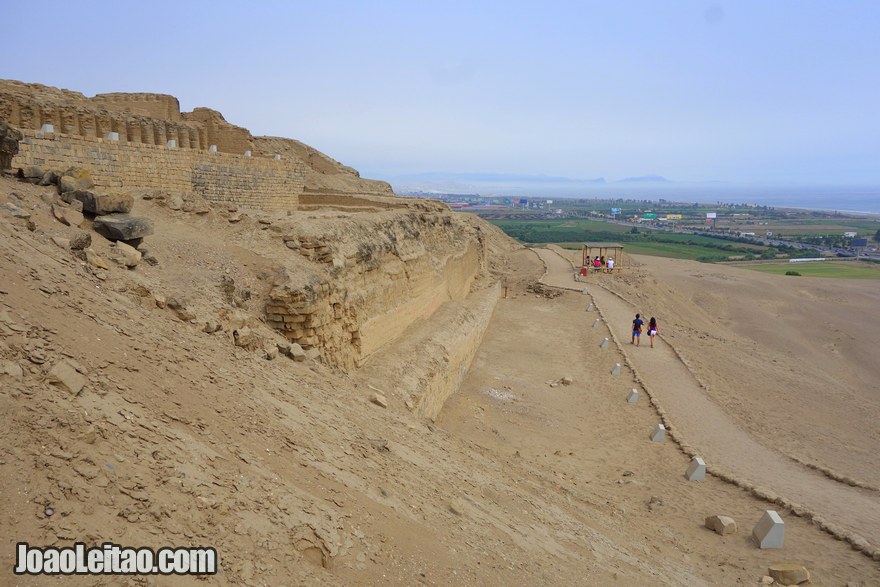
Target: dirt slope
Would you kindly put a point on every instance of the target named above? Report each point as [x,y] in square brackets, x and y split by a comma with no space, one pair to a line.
[180,437]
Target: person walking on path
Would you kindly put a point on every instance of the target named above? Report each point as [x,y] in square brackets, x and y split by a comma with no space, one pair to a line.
[652,330]
[637,330]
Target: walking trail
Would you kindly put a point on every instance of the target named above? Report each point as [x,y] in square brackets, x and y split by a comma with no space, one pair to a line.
[851,513]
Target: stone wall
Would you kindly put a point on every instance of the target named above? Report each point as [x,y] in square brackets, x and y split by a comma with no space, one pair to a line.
[161,106]
[250,182]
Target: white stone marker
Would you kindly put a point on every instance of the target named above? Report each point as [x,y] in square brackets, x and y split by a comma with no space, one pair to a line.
[585,292]
[604,344]
[633,396]
[212,149]
[659,435]
[112,136]
[596,323]
[616,370]
[770,530]
[171,144]
[696,470]
[48,129]
[247,153]
[277,156]
[590,308]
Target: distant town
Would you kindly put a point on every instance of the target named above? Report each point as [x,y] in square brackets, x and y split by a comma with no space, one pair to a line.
[825,232]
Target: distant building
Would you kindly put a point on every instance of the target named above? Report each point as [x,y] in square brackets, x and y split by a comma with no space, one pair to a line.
[859,244]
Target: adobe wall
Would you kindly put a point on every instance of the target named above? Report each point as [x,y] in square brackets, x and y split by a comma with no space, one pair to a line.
[155,119]
[386,271]
[161,106]
[250,182]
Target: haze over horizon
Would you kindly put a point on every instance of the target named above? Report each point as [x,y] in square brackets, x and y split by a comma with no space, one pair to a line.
[749,92]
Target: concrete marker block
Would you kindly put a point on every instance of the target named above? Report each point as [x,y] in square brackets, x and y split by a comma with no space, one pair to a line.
[596,323]
[585,292]
[696,471]
[171,143]
[590,308]
[616,370]
[212,149]
[112,136]
[769,532]
[48,129]
[247,153]
[604,344]
[633,396]
[277,156]
[659,434]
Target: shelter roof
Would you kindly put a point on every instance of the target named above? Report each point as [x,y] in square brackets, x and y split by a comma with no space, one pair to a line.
[603,245]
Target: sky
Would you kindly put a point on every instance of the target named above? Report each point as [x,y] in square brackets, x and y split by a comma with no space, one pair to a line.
[746,91]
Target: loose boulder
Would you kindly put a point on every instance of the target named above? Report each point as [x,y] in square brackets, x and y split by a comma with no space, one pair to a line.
[122,227]
[103,203]
[31,173]
[721,524]
[789,573]
[75,178]
[95,260]
[297,353]
[49,178]
[65,375]
[128,255]
[181,308]
[80,241]
[66,215]
[246,338]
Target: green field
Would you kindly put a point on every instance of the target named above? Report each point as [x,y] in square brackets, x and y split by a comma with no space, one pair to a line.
[832,269]
[572,233]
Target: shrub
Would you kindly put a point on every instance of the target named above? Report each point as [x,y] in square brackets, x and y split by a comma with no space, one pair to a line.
[792,273]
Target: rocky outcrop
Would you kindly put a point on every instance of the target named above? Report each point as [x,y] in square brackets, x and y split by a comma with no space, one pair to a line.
[380,273]
[9,138]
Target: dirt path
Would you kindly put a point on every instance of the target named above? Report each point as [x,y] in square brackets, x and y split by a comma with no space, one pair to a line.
[696,419]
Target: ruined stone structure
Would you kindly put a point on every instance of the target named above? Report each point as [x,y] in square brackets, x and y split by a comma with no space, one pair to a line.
[365,276]
[144,140]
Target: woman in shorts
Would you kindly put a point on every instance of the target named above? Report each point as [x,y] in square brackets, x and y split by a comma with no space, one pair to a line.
[652,330]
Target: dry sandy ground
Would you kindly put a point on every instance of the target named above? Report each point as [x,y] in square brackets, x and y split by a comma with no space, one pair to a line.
[588,434]
[179,437]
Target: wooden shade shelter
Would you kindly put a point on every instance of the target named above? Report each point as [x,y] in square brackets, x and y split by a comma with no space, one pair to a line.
[603,250]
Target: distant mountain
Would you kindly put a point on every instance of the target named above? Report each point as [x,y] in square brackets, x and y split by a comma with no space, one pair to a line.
[645,179]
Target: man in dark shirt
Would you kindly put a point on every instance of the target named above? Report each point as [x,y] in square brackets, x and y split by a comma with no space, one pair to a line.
[637,330]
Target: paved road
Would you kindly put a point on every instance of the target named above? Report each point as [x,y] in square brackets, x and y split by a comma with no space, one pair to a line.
[704,425]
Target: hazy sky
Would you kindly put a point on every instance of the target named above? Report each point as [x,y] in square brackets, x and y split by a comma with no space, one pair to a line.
[763,90]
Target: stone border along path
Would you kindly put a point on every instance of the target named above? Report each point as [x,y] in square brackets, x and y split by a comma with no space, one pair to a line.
[847,512]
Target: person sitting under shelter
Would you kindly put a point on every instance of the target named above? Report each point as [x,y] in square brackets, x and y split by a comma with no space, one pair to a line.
[610,264]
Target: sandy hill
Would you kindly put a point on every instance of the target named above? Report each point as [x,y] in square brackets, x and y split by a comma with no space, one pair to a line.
[359,389]
[154,431]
